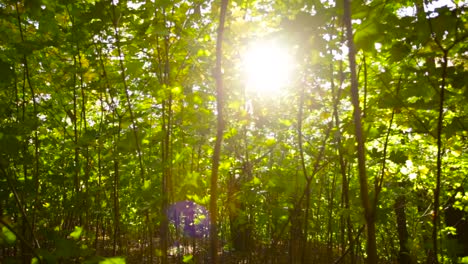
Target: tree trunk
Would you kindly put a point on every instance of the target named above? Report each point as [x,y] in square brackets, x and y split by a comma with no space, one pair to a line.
[219,136]
[404,256]
[116,199]
[364,190]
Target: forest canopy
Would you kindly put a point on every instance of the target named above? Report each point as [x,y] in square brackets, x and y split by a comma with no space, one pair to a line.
[243,131]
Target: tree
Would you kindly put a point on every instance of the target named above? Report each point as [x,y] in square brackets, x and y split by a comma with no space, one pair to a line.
[219,133]
[364,193]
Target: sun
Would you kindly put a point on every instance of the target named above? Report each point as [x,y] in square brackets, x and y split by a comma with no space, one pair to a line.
[267,68]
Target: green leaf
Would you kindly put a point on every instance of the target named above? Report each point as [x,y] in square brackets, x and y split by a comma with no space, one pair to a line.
[270,142]
[445,21]
[134,66]
[256,181]
[285,122]
[114,260]
[76,234]
[398,157]
[7,72]
[66,248]
[366,36]
[399,51]
[187,258]
[7,236]
[158,30]
[9,143]
[450,230]
[88,138]
[146,184]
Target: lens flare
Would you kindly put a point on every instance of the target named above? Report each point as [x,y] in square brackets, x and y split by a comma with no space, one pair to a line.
[267,68]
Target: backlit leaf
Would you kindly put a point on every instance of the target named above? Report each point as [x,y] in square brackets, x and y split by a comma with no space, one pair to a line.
[76,234]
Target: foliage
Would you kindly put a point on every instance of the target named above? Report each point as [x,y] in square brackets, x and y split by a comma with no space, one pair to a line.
[108,116]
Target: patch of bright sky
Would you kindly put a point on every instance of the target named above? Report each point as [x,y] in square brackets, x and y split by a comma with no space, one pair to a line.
[134,5]
[328,3]
[378,46]
[411,10]
[342,54]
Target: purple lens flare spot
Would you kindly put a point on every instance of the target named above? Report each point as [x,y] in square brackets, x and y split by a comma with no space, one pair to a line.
[190,218]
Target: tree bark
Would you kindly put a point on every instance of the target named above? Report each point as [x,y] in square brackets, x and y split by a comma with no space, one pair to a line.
[404,256]
[364,190]
[219,136]
[117,245]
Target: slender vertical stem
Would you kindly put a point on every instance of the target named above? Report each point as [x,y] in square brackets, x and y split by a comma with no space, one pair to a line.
[219,135]
[364,190]
[344,177]
[123,76]
[330,220]
[36,137]
[440,124]
[304,172]
[365,86]
[116,187]
[379,181]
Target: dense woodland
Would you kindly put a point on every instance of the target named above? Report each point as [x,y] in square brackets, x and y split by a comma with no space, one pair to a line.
[127,134]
